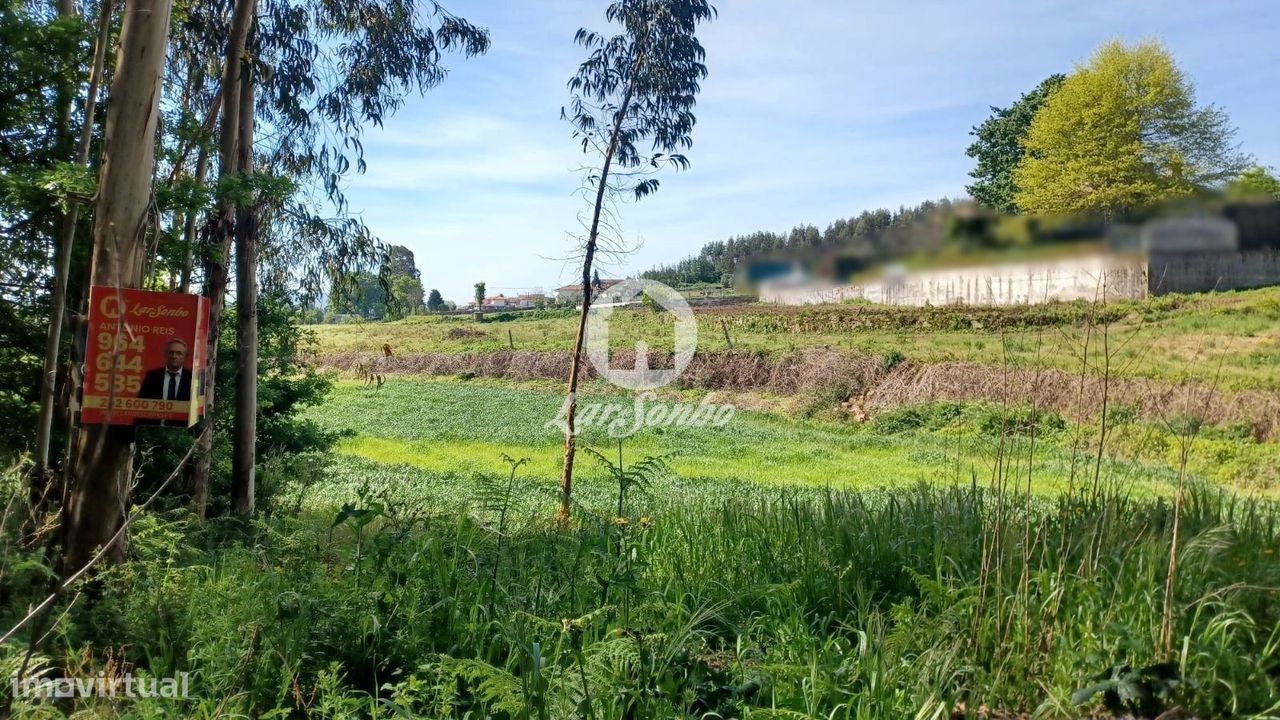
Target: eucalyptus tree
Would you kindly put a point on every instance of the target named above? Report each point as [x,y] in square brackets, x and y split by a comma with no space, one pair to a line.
[323,72]
[63,249]
[631,108]
[244,447]
[216,251]
[334,68]
[102,460]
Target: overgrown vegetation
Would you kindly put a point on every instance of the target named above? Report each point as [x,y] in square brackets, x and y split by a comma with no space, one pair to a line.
[930,513]
[705,597]
[1229,338]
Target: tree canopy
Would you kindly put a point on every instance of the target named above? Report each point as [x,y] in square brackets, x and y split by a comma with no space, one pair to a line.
[1256,183]
[997,147]
[1124,131]
[435,303]
[392,294]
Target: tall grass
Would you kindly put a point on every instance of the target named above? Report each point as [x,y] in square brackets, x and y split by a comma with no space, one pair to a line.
[742,601]
[391,591]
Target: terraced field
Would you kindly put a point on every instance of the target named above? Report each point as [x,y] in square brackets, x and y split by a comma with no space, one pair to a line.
[1231,340]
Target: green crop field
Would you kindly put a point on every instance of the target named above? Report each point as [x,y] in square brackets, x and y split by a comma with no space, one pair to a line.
[456,426]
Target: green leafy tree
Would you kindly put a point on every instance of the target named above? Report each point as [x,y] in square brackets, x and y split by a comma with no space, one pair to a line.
[394,293]
[632,107]
[1256,183]
[402,262]
[479,295]
[997,147]
[435,303]
[407,295]
[1124,131]
[367,297]
[40,57]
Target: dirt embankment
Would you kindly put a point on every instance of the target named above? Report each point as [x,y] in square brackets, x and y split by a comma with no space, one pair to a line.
[866,385]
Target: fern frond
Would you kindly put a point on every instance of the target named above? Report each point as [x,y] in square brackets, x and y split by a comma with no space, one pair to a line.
[497,690]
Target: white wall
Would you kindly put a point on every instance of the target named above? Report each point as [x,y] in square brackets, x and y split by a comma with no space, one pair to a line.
[1089,277]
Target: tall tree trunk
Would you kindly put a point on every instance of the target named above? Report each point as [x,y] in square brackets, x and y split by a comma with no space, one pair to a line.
[217,250]
[103,457]
[189,224]
[570,433]
[194,88]
[246,425]
[62,265]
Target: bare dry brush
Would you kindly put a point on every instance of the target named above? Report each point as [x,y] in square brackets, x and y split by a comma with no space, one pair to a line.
[866,382]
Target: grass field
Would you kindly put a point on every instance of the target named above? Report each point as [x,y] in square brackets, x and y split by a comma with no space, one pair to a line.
[405,593]
[1230,339]
[868,572]
[935,562]
[461,427]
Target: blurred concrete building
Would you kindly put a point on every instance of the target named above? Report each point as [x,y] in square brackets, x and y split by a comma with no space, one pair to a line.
[1238,250]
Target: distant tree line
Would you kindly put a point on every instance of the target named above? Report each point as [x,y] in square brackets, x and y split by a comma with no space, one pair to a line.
[873,235]
[391,294]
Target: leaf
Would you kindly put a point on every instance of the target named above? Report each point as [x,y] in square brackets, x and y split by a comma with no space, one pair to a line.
[346,513]
[33,567]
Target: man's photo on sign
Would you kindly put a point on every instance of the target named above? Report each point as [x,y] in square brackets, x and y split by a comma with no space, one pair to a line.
[173,380]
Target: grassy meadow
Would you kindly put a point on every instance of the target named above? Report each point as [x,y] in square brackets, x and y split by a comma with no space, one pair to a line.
[448,425]
[932,561]
[1231,339]
[426,578]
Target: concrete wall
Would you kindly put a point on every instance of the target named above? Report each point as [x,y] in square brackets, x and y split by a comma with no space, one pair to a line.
[1090,277]
[1204,271]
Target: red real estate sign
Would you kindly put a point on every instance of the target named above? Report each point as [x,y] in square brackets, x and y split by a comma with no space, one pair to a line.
[145,358]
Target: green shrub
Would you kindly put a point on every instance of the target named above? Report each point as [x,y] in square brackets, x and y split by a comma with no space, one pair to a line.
[1020,420]
[930,416]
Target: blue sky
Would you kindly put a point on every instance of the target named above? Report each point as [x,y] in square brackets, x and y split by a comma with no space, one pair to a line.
[813,110]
